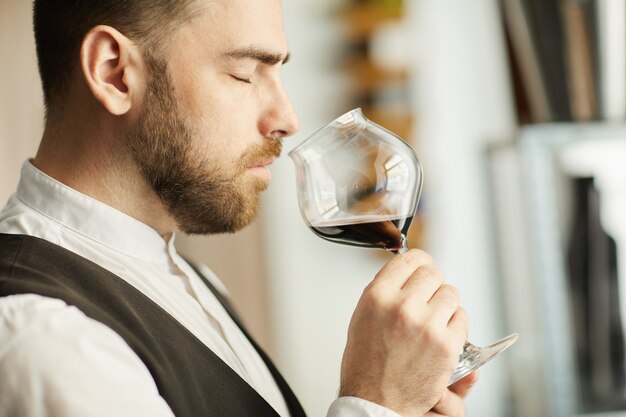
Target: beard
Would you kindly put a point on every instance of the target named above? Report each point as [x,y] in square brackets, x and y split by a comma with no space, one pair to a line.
[201,195]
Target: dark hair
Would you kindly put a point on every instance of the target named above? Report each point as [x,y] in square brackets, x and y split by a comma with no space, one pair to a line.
[60,26]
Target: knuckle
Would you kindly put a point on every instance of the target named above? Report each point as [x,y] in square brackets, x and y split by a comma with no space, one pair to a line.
[461,316]
[451,291]
[405,259]
[430,272]
[421,256]
[440,342]
[403,312]
[406,316]
[434,336]
[449,295]
[379,275]
[415,256]
[373,295]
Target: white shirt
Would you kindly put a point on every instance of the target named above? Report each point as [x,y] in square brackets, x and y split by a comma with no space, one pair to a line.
[55,361]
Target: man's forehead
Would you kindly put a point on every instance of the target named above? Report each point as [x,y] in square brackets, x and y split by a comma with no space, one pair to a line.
[243,16]
[242,11]
[236,30]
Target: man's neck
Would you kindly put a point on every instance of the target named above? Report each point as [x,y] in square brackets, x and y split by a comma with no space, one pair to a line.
[91,166]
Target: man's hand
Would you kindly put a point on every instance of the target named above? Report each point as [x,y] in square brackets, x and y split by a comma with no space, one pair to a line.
[451,404]
[404,337]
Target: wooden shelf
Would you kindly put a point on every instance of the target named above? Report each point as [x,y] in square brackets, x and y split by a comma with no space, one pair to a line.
[366,76]
[398,120]
[362,20]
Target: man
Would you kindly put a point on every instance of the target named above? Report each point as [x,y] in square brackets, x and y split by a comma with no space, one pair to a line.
[163,116]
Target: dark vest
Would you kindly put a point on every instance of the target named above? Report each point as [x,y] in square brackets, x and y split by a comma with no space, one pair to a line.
[190,377]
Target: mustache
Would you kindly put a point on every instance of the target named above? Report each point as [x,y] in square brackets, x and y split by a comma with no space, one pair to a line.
[260,152]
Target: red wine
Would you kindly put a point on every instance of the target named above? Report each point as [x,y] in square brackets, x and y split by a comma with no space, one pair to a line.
[388,234]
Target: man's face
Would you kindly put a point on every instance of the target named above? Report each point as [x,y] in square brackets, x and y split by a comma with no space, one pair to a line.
[214,115]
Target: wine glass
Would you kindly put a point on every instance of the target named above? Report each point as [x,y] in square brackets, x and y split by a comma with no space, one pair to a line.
[359,184]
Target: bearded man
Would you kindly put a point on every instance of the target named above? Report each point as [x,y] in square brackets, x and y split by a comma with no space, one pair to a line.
[163,116]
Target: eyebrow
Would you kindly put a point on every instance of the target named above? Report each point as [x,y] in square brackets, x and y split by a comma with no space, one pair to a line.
[258,54]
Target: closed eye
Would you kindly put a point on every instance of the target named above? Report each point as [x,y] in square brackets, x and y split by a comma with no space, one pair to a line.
[242,79]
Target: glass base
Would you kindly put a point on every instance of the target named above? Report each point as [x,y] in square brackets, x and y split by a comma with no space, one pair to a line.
[474,357]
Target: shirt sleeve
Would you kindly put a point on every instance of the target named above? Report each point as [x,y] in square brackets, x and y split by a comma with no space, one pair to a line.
[358,407]
[55,361]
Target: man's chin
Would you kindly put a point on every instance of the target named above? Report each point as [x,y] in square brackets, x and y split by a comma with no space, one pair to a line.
[223,223]
[257,180]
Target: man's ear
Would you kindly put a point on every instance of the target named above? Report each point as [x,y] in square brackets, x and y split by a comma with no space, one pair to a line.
[111,65]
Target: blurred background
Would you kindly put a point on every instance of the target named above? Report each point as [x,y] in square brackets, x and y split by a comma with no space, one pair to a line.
[516,110]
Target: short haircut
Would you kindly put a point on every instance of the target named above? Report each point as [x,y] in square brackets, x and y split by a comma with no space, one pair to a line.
[61,25]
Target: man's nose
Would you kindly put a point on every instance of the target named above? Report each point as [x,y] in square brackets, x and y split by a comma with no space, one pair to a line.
[282,119]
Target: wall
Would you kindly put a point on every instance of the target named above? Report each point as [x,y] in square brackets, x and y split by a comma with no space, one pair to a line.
[463,100]
[21,104]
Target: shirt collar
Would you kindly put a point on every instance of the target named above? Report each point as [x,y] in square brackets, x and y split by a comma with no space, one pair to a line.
[90,217]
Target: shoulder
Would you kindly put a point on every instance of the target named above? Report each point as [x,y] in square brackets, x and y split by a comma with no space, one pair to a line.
[56,357]
[18,218]
[27,319]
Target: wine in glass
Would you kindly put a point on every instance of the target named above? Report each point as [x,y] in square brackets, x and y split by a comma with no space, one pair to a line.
[359,184]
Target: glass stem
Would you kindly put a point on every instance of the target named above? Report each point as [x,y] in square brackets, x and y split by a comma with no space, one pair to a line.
[404,248]
[469,360]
